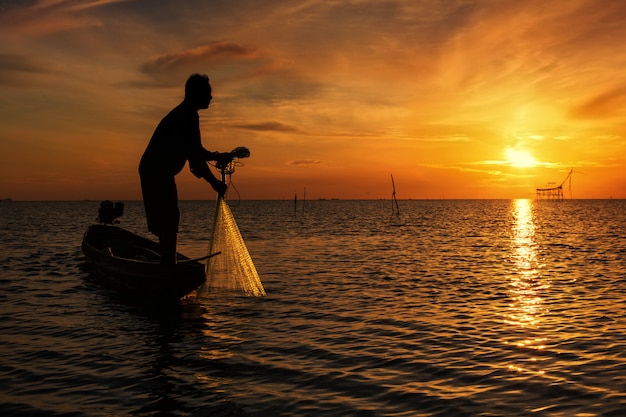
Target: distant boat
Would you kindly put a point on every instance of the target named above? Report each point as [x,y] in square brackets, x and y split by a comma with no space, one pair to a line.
[130,264]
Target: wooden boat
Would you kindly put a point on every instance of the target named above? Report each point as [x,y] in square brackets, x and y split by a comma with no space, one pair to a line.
[129,263]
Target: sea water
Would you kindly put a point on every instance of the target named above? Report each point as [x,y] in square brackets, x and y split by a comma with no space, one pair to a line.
[453,308]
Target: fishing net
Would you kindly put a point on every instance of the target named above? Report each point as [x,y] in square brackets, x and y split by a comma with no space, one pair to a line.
[232,271]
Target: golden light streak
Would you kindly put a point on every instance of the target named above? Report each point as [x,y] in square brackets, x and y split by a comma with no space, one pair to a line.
[526,285]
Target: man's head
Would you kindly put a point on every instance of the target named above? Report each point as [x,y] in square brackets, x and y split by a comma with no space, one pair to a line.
[198,91]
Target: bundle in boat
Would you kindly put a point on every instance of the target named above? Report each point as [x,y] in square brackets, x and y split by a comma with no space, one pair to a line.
[232,271]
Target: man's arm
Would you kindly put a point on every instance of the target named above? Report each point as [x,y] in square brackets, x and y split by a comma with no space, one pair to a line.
[201,169]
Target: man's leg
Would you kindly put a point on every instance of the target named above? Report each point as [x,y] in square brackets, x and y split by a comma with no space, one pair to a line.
[167,242]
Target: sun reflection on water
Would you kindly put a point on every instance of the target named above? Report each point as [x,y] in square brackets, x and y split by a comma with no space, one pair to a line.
[526,285]
[527,288]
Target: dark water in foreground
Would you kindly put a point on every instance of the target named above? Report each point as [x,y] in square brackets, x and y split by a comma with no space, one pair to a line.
[457,308]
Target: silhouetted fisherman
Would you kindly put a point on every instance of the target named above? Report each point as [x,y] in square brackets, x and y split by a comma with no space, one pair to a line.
[175,141]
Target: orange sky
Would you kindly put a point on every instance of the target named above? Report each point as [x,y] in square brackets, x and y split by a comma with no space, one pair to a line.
[456,99]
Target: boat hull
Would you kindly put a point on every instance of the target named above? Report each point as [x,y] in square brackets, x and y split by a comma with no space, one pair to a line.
[129,264]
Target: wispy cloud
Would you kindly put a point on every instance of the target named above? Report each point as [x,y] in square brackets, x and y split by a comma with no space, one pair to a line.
[272,126]
[211,54]
[605,104]
[15,68]
[307,162]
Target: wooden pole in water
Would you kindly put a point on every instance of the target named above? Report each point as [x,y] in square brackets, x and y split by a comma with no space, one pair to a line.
[393,199]
[295,203]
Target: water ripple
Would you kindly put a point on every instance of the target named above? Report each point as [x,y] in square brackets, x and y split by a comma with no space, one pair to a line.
[464,308]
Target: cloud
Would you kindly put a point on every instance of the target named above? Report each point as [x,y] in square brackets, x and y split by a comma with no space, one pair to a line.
[268,126]
[19,63]
[452,138]
[45,17]
[89,4]
[15,67]
[210,54]
[306,162]
[496,162]
[602,105]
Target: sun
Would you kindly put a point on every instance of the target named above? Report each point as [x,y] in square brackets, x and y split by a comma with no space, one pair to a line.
[520,159]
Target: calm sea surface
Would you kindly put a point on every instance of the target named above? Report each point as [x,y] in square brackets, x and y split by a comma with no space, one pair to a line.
[455,308]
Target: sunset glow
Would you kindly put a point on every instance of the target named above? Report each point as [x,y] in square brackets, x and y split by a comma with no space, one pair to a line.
[458,99]
[520,159]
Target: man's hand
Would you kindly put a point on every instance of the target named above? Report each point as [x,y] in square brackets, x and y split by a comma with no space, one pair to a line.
[218,185]
[223,158]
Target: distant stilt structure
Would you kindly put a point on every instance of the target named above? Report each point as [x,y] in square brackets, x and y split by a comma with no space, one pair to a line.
[394,210]
[556,192]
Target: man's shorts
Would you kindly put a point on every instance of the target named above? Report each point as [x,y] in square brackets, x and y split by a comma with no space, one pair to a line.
[160,200]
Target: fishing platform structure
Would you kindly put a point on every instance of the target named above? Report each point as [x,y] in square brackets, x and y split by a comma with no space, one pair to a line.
[556,192]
